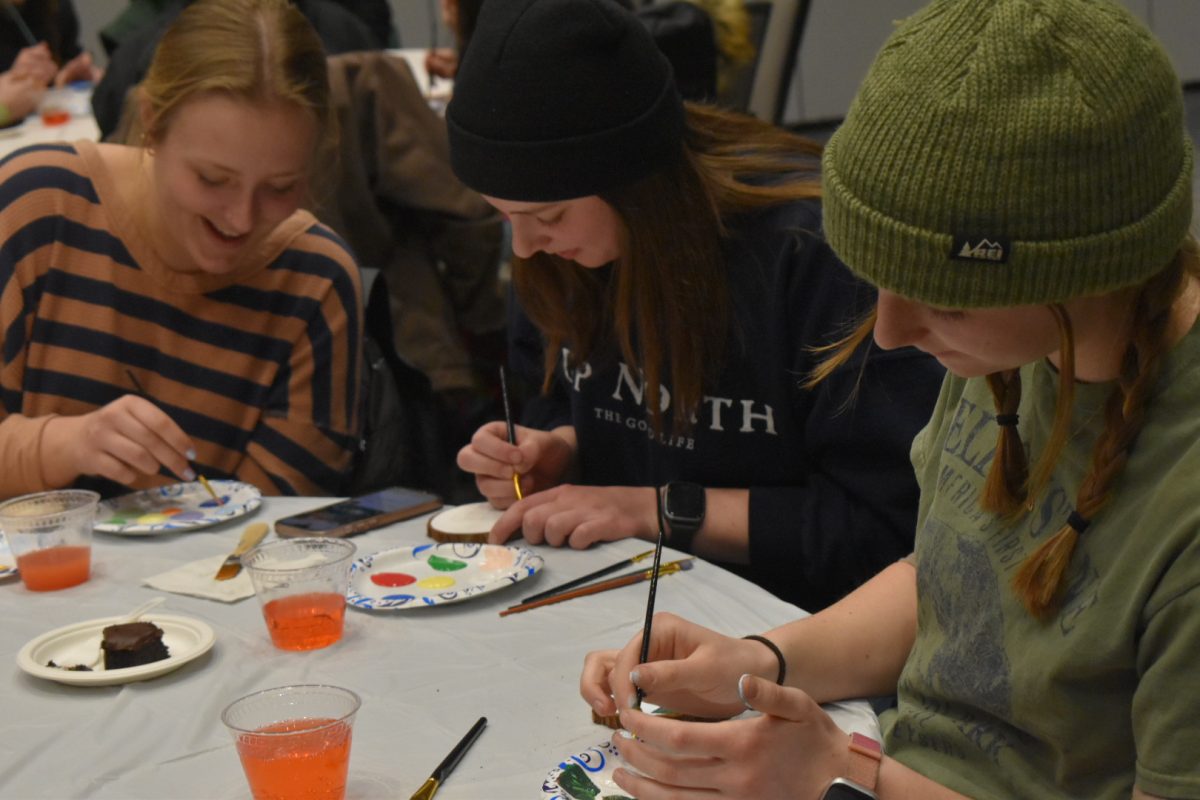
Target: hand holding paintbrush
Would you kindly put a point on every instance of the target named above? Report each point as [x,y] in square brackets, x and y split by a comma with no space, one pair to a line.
[189,473]
[122,441]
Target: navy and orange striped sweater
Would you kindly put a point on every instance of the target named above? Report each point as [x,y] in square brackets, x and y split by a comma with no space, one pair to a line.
[260,368]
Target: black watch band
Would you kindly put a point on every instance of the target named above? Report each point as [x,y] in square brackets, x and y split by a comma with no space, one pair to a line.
[683,507]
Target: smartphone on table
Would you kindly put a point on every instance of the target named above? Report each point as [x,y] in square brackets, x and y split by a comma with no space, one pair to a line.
[359,514]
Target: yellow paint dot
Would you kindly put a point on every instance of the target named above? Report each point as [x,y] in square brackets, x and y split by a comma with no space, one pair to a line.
[436,582]
[152,519]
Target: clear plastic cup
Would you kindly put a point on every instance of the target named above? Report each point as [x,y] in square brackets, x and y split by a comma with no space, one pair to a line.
[301,584]
[294,741]
[50,535]
[56,106]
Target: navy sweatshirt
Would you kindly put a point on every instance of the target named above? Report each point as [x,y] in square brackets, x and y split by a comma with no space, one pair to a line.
[832,494]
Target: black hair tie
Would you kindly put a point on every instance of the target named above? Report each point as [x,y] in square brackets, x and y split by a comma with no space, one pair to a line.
[1078,522]
[778,656]
[1006,420]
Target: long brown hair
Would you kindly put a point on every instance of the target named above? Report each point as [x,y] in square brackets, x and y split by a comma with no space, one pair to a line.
[1012,488]
[666,301]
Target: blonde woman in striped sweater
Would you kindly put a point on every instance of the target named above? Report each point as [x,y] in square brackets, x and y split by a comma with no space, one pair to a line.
[184,266]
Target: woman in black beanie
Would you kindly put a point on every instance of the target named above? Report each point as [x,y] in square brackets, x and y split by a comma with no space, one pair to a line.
[670,262]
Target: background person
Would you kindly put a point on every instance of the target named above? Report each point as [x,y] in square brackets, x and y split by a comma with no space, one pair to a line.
[1043,635]
[20,94]
[188,264]
[56,57]
[670,265]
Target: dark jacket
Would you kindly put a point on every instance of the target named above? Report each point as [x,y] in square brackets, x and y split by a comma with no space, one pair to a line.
[58,27]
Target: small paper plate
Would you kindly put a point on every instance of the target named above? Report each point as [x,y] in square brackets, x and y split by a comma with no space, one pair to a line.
[436,574]
[8,564]
[176,507]
[594,765]
[185,638]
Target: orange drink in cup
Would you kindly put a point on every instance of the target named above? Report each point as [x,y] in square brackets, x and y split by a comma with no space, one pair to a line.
[301,584]
[55,107]
[50,535]
[294,741]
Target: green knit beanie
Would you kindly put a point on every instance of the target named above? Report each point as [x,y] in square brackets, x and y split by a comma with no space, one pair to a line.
[1009,152]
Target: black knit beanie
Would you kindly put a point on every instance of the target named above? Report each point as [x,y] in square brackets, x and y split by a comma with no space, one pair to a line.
[559,99]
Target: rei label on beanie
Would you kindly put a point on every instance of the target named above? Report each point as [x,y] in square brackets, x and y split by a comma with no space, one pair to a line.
[981,248]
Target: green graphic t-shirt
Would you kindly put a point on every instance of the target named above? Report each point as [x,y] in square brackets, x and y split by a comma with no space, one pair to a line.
[1106,694]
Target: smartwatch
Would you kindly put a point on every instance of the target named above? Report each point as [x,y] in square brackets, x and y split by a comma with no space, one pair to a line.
[683,508]
[866,755]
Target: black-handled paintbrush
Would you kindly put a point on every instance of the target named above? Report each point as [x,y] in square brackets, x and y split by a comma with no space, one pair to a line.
[450,762]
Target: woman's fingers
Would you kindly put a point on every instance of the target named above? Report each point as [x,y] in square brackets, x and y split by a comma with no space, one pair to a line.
[594,684]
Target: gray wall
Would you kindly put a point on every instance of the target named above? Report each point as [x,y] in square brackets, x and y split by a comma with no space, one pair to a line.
[842,36]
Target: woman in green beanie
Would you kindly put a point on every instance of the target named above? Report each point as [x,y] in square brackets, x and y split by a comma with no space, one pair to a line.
[1015,178]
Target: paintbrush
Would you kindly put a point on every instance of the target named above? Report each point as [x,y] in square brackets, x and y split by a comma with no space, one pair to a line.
[603,586]
[19,22]
[653,587]
[137,385]
[591,576]
[512,431]
[449,762]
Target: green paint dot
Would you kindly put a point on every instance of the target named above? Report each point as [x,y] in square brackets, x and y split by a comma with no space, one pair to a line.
[446,564]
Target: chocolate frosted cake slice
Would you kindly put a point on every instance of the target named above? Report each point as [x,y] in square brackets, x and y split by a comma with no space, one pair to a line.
[132,644]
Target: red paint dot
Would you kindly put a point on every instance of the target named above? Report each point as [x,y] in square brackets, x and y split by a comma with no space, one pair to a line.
[392,579]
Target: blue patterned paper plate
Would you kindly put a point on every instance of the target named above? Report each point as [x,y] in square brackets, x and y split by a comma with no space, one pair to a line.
[436,574]
[176,507]
[590,776]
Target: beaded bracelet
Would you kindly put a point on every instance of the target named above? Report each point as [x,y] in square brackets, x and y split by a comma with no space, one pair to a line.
[778,654]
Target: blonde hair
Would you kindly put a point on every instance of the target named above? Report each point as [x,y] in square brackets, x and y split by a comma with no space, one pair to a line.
[256,50]
[1011,487]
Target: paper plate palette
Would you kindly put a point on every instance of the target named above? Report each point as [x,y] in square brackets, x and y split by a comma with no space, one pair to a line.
[176,507]
[8,564]
[436,574]
[586,776]
[186,639]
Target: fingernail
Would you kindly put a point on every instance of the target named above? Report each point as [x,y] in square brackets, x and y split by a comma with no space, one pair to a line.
[191,454]
[633,701]
[189,474]
[624,734]
[634,678]
[741,690]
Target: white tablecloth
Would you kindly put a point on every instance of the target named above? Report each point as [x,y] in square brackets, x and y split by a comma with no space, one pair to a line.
[424,675]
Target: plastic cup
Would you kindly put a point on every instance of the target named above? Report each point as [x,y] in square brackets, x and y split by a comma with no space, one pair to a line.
[55,106]
[294,741]
[50,535]
[301,584]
